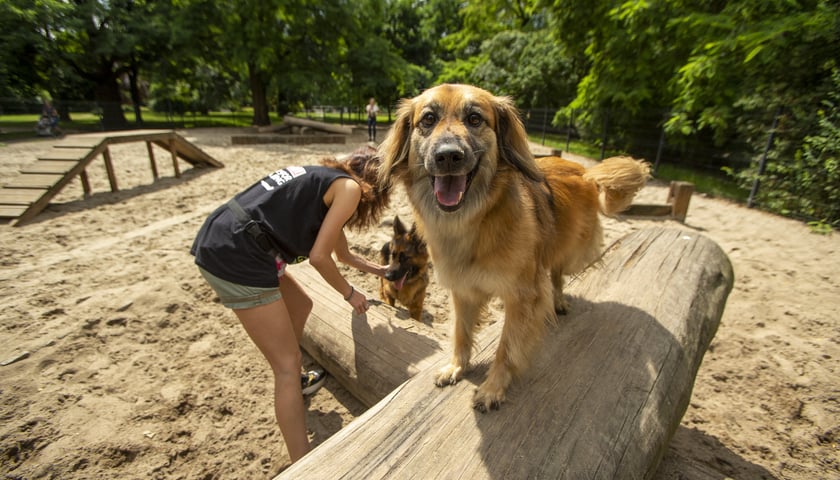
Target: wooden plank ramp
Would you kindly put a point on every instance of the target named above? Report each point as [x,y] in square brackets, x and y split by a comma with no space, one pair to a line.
[29,193]
[603,397]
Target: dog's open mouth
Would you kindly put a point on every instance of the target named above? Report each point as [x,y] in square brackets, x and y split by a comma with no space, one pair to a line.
[451,189]
[398,284]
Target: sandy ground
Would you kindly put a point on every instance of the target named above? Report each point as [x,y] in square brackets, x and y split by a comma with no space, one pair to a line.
[121,364]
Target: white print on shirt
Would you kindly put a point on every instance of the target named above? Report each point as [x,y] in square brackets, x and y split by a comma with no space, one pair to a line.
[282,176]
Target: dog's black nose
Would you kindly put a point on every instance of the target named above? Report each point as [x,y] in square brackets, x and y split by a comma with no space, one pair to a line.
[448,157]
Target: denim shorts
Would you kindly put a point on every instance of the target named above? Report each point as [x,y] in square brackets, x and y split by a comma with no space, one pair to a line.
[236,296]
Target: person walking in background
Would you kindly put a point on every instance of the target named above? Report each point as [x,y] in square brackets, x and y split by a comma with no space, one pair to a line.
[372,110]
[243,247]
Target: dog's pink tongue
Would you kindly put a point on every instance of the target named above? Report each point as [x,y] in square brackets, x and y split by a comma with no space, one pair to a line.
[449,189]
[399,283]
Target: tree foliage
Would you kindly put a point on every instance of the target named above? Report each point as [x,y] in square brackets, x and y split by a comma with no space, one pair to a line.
[710,73]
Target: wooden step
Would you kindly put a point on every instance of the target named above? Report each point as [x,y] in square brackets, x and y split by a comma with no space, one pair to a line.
[20,196]
[60,157]
[86,146]
[37,180]
[49,166]
[12,211]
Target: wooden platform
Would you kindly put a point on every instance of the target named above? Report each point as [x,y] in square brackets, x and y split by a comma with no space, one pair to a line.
[601,401]
[29,193]
[296,131]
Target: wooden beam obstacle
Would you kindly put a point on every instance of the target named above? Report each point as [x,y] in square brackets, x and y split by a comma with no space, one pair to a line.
[676,204]
[601,401]
[294,130]
[28,194]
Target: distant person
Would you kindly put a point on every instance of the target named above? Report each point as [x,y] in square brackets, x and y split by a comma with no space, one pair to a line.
[290,215]
[50,116]
[372,110]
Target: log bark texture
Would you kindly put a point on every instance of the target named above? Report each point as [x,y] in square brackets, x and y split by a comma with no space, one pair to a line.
[370,354]
[602,399]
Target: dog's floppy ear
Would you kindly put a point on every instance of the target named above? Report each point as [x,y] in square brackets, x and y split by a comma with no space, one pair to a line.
[393,152]
[513,139]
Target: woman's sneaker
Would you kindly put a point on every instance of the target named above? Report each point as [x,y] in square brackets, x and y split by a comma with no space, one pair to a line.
[311,381]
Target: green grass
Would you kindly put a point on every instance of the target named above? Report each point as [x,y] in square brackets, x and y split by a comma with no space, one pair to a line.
[22,127]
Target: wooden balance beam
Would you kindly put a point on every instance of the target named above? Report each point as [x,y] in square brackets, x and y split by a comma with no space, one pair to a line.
[604,395]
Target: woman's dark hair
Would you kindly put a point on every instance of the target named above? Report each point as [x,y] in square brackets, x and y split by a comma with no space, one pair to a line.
[363,166]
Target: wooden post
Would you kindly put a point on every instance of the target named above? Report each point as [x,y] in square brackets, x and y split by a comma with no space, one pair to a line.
[603,396]
[174,151]
[83,176]
[152,159]
[109,167]
[679,196]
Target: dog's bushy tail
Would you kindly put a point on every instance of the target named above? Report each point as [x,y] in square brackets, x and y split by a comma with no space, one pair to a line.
[618,180]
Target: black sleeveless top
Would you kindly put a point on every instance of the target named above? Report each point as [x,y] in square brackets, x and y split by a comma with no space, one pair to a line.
[288,204]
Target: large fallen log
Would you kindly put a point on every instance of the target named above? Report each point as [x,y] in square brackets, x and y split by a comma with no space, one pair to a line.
[371,354]
[605,393]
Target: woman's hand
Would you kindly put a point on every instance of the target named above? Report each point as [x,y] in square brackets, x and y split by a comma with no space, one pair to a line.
[358,301]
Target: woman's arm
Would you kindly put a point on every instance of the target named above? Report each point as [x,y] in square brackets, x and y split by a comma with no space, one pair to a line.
[344,195]
[347,257]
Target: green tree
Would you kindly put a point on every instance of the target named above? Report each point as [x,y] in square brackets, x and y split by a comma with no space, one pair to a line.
[805,184]
[293,47]
[20,43]
[103,42]
[481,21]
[627,55]
[529,66]
[507,47]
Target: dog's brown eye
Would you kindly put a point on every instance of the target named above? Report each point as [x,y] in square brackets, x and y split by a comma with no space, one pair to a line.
[474,119]
[428,120]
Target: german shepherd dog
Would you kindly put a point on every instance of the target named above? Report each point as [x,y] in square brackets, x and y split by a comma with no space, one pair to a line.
[408,269]
[497,222]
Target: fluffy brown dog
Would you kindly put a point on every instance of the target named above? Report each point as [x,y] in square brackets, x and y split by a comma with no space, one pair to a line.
[408,269]
[496,221]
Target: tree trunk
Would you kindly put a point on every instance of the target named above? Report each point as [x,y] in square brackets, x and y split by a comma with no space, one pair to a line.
[258,94]
[136,98]
[107,94]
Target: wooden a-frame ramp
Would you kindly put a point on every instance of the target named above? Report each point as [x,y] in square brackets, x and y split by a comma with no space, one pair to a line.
[31,192]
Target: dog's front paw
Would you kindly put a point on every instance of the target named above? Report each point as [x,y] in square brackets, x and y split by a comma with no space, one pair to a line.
[561,306]
[448,375]
[485,399]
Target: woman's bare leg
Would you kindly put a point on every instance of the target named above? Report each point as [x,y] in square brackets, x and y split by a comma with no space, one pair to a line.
[298,303]
[275,331]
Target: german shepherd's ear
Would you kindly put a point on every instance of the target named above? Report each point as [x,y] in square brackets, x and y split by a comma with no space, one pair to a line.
[393,152]
[385,253]
[513,139]
[399,228]
[420,244]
